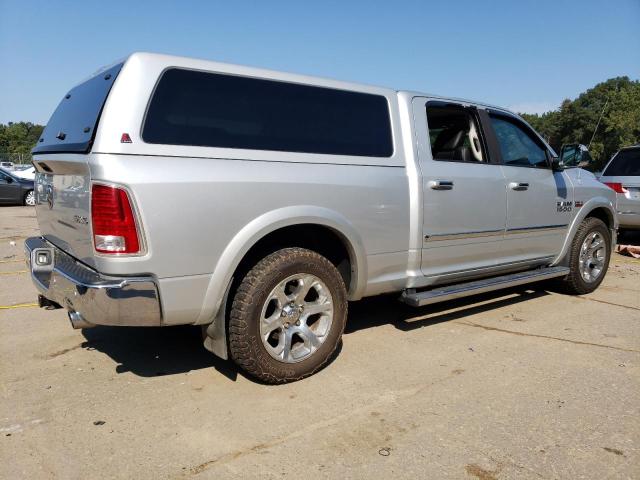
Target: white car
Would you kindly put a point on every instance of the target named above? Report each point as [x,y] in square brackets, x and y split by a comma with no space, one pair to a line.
[28,173]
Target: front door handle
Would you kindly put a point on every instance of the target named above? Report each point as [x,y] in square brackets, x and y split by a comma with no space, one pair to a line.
[441,185]
[518,187]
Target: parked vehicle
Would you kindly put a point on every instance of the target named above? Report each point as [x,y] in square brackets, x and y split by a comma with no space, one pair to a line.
[622,174]
[15,190]
[27,172]
[294,195]
[6,165]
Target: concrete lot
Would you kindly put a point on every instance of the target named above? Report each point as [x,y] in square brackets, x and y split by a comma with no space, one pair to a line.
[519,384]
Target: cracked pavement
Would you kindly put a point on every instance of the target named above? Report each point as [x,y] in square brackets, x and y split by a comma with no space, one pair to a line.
[525,383]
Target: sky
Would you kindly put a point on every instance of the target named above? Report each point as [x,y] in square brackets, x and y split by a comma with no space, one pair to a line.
[527,55]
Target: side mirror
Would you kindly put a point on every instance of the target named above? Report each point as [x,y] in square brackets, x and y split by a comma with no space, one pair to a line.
[575,155]
[9,179]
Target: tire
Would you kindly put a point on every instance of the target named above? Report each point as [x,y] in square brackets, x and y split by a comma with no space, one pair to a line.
[29,199]
[578,282]
[287,316]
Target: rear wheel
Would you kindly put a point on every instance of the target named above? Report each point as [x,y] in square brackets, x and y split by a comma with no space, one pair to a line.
[30,198]
[288,316]
[588,257]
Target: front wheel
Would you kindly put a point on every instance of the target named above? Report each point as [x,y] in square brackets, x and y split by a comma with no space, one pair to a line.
[30,198]
[588,257]
[288,315]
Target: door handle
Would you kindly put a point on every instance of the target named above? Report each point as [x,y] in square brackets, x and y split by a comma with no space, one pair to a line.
[441,185]
[518,187]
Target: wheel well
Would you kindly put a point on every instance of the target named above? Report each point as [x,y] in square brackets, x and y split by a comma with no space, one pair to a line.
[602,214]
[321,239]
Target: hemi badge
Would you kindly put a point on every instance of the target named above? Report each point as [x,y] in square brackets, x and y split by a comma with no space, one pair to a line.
[578,204]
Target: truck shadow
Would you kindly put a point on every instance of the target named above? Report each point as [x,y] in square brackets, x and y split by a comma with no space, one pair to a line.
[152,352]
[385,310]
[629,237]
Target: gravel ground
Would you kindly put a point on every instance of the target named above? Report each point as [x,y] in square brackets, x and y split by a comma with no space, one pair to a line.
[519,384]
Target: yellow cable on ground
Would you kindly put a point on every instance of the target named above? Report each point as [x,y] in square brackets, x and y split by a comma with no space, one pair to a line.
[20,305]
[14,273]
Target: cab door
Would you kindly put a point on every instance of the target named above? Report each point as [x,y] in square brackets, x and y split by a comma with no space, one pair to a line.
[463,193]
[539,201]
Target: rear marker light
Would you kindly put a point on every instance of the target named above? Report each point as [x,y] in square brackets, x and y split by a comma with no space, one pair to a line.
[616,187]
[113,221]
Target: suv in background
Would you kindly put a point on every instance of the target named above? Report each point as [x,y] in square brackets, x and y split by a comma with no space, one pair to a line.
[622,174]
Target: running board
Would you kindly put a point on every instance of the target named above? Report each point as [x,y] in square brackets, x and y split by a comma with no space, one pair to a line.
[441,294]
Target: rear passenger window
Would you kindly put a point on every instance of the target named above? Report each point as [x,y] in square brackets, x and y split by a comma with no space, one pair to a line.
[454,134]
[625,163]
[214,110]
[517,146]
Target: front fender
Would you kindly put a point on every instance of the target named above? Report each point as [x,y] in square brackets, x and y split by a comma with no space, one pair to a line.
[588,207]
[269,222]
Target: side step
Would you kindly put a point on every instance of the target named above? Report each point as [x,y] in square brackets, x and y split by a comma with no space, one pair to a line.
[441,294]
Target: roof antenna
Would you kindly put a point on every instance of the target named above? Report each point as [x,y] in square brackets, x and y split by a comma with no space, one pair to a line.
[598,124]
[602,113]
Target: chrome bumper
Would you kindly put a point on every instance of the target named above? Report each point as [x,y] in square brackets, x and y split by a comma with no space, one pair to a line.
[90,297]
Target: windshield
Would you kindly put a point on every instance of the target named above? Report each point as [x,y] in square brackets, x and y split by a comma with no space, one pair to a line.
[72,126]
[625,163]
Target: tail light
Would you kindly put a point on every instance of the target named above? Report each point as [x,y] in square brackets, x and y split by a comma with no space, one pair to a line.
[113,221]
[616,187]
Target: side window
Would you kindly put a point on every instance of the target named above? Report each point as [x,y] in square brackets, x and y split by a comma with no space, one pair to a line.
[3,178]
[625,163]
[454,134]
[518,147]
[230,111]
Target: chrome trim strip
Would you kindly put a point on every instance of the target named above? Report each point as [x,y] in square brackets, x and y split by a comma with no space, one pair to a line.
[541,228]
[491,233]
[457,236]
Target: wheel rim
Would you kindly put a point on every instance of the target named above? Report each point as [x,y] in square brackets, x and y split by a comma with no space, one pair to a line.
[296,318]
[31,199]
[593,255]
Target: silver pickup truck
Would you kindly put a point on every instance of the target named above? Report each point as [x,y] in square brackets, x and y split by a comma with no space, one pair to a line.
[258,203]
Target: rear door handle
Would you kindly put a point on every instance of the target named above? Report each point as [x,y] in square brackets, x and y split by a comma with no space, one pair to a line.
[517,186]
[441,185]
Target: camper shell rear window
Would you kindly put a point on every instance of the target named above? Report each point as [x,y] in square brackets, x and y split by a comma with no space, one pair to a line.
[199,108]
[72,126]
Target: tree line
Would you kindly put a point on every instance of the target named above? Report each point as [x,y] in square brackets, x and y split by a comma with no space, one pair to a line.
[17,139]
[613,106]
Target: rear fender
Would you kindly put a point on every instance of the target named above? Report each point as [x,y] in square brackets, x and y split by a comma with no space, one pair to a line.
[213,306]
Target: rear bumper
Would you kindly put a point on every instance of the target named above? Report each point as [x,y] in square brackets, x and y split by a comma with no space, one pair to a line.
[629,219]
[92,298]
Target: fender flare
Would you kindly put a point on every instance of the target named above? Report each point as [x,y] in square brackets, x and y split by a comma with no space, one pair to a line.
[269,222]
[588,207]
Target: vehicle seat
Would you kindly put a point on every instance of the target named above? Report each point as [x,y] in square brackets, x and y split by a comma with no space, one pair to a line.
[450,145]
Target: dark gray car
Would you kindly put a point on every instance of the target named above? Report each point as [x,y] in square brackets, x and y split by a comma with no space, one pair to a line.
[15,190]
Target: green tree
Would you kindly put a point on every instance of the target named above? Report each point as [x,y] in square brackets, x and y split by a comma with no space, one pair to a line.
[617,100]
[17,139]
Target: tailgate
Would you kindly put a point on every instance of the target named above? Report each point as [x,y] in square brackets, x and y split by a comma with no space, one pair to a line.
[63,204]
